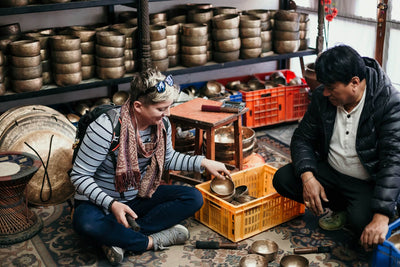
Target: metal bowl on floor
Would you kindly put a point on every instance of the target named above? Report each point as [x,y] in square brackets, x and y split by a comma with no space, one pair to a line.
[266,248]
[294,261]
[253,260]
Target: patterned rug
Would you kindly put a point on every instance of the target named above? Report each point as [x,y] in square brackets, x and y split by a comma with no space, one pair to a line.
[58,245]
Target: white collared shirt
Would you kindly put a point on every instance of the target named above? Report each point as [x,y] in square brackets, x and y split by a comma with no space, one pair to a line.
[342,154]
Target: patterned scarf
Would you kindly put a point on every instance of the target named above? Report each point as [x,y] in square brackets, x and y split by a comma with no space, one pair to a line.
[127,173]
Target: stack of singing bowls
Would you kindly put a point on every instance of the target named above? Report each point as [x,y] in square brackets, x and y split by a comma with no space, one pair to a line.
[303,30]
[286,32]
[47,74]
[110,54]
[203,15]
[2,73]
[128,17]
[194,38]
[266,29]
[225,33]
[250,31]
[87,36]
[173,44]
[25,66]
[66,57]
[130,32]
[158,45]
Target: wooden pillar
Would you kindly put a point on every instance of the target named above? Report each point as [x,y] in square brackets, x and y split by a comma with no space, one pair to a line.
[144,35]
[320,36]
[380,30]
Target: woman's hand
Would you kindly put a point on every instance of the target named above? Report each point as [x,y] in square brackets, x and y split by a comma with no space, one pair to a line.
[313,192]
[119,210]
[216,168]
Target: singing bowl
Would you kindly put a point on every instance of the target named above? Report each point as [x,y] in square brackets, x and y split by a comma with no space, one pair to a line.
[200,15]
[227,45]
[191,6]
[26,73]
[43,38]
[24,62]
[61,68]
[225,10]
[31,85]
[109,51]
[172,27]
[86,34]
[162,64]
[194,29]
[250,21]
[120,97]
[253,260]
[173,39]
[263,14]
[45,54]
[110,62]
[266,248]
[110,38]
[225,34]
[246,53]
[395,240]
[110,73]
[87,59]
[250,32]
[130,54]
[304,17]
[287,15]
[70,56]
[295,81]
[10,29]
[125,28]
[64,42]
[226,21]
[282,47]
[194,40]
[286,35]
[266,25]
[303,26]
[286,25]
[255,84]
[294,261]
[159,54]
[88,72]
[266,36]
[161,44]
[221,57]
[173,60]
[129,17]
[193,50]
[193,60]
[130,43]
[304,44]
[158,32]
[2,88]
[212,89]
[25,48]
[252,42]
[64,79]
[173,49]
[158,17]
[222,187]
[266,46]
[87,47]
[244,198]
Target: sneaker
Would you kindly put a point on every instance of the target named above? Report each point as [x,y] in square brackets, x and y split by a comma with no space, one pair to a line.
[333,221]
[176,235]
[115,255]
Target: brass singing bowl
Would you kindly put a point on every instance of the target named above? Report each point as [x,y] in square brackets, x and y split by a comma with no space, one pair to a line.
[109,51]
[227,45]
[304,17]
[173,60]
[110,62]
[125,28]
[130,43]
[286,25]
[266,47]
[250,32]
[191,6]
[225,10]
[212,89]
[193,60]
[64,42]
[252,42]
[255,84]
[226,56]
[200,15]
[246,53]
[45,54]
[294,261]
[244,198]
[161,44]
[70,56]
[130,66]
[43,38]
[226,21]
[304,25]
[250,21]
[286,35]
[86,34]
[266,25]
[194,29]
[26,73]
[172,27]
[130,54]
[129,17]
[159,54]
[24,62]
[88,59]
[253,260]
[120,97]
[304,44]
[87,47]
[288,46]
[10,29]
[61,68]
[110,38]
[295,81]
[110,73]
[266,36]
[162,64]
[263,14]
[173,39]
[225,34]
[193,50]
[2,89]
[88,72]
[173,49]
[287,15]
[222,187]
[266,248]
[194,40]
[30,85]
[25,48]
[158,32]
[65,79]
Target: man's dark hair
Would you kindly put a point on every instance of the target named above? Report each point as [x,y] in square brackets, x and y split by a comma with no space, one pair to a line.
[339,64]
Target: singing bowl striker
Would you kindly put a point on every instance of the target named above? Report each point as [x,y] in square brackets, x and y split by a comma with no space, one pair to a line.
[222,187]
[64,42]
[266,248]
[294,261]
[288,46]
[111,38]
[226,21]
[25,48]
[253,260]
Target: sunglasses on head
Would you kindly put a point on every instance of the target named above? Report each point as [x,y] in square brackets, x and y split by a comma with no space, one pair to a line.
[159,87]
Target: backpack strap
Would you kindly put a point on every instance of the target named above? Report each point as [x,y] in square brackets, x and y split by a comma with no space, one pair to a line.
[114,117]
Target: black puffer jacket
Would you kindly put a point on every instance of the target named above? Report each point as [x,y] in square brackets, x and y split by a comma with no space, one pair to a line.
[377,141]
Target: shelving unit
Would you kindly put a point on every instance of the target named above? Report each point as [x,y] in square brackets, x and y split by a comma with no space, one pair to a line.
[142,13]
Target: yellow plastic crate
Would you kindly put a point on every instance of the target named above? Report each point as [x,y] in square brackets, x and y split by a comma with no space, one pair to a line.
[238,222]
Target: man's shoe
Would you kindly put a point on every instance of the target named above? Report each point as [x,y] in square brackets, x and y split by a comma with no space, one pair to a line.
[176,235]
[115,255]
[333,221]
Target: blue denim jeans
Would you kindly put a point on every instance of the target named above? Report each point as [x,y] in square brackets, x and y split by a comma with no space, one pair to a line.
[169,205]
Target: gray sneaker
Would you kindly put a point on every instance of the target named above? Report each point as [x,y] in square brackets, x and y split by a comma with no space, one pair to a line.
[176,235]
[115,255]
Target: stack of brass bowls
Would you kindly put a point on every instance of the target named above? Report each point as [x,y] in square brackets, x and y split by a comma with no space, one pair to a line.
[266,29]
[173,45]
[225,34]
[130,32]
[158,44]
[2,73]
[250,33]
[26,67]
[87,36]
[203,15]
[286,32]
[194,39]
[110,54]
[66,59]
[128,17]
[303,30]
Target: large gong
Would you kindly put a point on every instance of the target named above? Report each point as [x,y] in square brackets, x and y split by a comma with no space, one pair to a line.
[45,132]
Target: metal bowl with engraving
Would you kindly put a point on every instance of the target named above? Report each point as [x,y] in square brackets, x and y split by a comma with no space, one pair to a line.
[111,38]
[266,248]
[25,48]
[64,42]
[226,21]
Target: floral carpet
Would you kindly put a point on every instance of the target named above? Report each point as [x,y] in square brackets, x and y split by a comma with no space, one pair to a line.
[58,245]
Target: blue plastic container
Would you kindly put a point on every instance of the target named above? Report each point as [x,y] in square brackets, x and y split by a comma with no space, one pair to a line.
[387,254]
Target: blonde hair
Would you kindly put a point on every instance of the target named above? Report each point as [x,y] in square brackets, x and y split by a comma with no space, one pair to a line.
[147,79]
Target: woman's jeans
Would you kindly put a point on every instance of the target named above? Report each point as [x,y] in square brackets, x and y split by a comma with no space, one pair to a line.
[169,205]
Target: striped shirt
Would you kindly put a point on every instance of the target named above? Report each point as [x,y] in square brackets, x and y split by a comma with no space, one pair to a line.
[93,170]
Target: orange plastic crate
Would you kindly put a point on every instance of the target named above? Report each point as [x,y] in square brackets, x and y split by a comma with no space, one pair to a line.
[238,222]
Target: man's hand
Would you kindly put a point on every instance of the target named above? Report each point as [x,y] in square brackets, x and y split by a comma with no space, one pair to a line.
[375,232]
[216,168]
[313,192]
[119,210]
